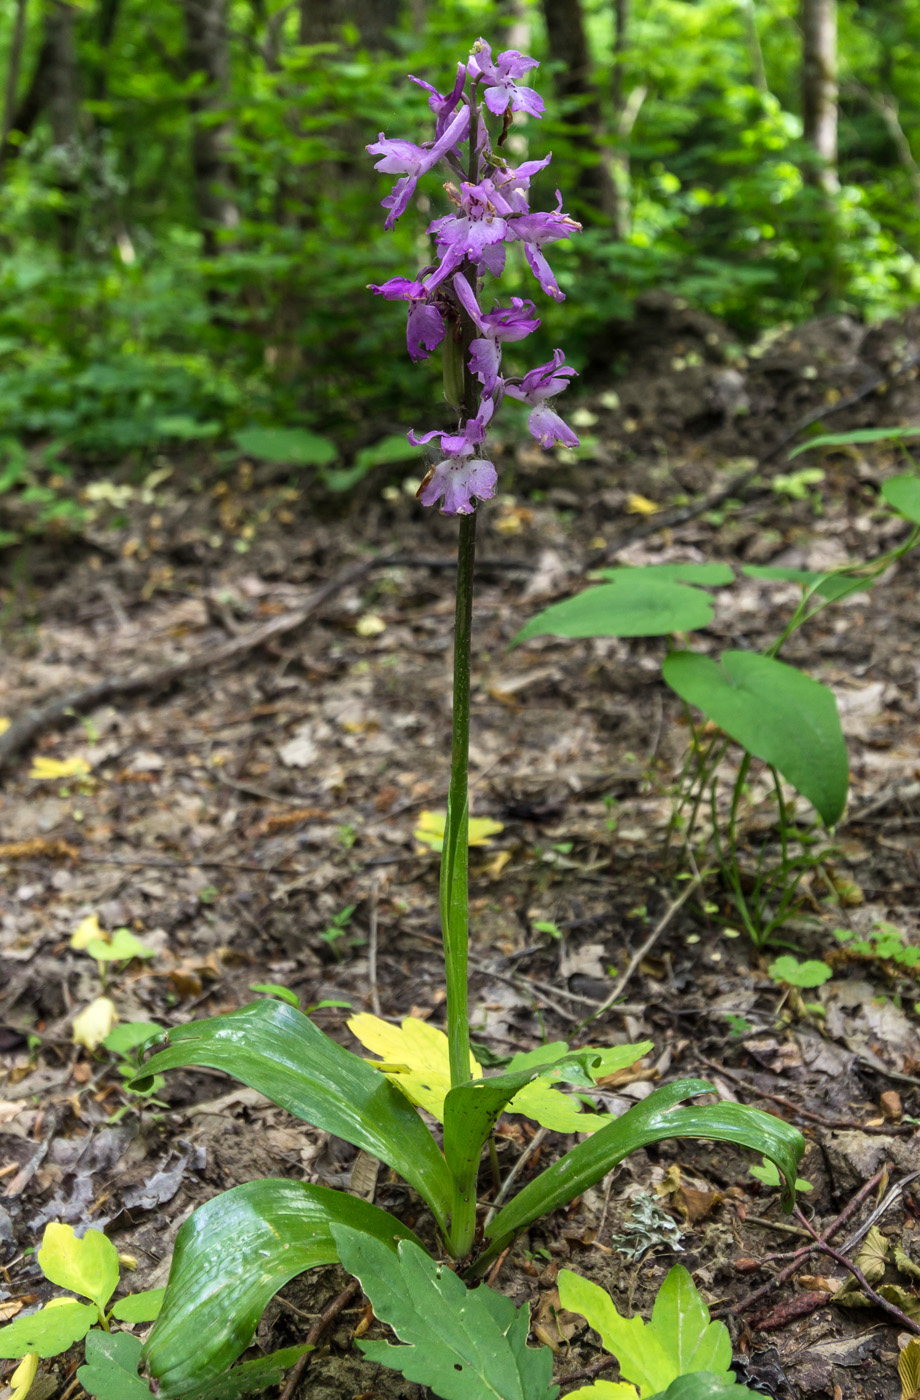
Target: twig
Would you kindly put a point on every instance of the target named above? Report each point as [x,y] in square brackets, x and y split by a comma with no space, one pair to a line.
[588,1373]
[642,952]
[800,1255]
[890,1308]
[325,1319]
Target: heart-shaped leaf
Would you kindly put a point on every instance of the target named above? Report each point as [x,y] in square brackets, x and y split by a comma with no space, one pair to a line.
[277,1050]
[638,604]
[110,1372]
[774,711]
[231,1257]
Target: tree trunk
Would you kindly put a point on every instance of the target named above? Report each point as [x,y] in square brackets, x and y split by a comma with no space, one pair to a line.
[13,69]
[208,53]
[619,156]
[567,41]
[819,87]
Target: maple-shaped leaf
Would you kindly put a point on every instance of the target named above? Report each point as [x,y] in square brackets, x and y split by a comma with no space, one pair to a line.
[430,830]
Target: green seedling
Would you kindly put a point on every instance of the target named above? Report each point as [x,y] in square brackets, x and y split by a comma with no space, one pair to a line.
[884,943]
[125,1041]
[547,926]
[802,975]
[768,1174]
[337,930]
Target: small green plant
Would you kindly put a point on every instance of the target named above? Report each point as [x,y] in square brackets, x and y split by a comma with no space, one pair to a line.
[337,930]
[803,975]
[125,1042]
[768,1174]
[884,943]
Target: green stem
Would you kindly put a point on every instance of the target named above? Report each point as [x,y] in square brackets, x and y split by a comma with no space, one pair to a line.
[455,858]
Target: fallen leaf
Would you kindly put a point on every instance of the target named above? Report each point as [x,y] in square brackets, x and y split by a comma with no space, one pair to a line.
[909,1369]
[47,769]
[86,931]
[93,1024]
[4,724]
[640,505]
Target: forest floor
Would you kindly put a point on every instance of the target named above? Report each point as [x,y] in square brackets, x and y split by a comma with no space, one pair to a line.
[253,822]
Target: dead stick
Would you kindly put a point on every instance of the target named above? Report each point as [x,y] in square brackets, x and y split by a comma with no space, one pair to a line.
[325,1319]
[890,1308]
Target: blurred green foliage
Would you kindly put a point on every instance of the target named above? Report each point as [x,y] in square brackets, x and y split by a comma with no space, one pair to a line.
[124,329]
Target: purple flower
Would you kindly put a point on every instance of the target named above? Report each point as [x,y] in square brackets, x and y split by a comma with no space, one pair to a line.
[502,91]
[513,322]
[535,388]
[443,106]
[536,229]
[461,474]
[425,326]
[476,232]
[411,161]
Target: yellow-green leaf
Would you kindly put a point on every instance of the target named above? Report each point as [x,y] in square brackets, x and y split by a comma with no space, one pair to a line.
[88,1266]
[88,930]
[605,1390]
[93,1024]
[415,1055]
[25,1373]
[120,946]
[430,830]
[47,769]
[909,1369]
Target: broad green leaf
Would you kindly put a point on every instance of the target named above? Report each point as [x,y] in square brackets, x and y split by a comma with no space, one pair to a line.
[902,493]
[110,1372]
[831,586]
[140,1307]
[679,1338]
[288,447]
[88,1266]
[713,575]
[858,435]
[776,713]
[636,606]
[703,1385]
[655,1119]
[231,1257]
[49,1331]
[277,1050]
[466,1344]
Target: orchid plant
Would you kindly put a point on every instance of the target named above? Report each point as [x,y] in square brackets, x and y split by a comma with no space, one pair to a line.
[237,1250]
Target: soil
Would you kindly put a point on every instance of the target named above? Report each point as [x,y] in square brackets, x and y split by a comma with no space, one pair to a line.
[253,823]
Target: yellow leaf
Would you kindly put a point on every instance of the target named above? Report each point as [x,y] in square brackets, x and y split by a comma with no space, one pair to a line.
[909,1369]
[430,830]
[86,932]
[370,625]
[640,505]
[22,1378]
[415,1055]
[93,1024]
[46,769]
[4,724]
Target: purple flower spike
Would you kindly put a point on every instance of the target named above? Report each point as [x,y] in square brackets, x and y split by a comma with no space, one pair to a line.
[502,91]
[425,326]
[443,106]
[512,322]
[535,388]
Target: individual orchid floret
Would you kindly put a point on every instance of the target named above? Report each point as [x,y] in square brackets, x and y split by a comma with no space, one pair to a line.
[405,158]
[443,106]
[462,474]
[535,388]
[477,233]
[513,322]
[534,230]
[502,93]
[425,326]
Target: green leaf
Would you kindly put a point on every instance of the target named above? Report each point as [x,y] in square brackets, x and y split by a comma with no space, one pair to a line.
[655,1119]
[902,493]
[465,1344]
[110,1372]
[858,435]
[636,606]
[776,713]
[277,1050]
[832,586]
[788,969]
[713,575]
[231,1257]
[768,1174]
[274,989]
[119,948]
[679,1338]
[140,1307]
[703,1385]
[287,447]
[604,1390]
[49,1331]
[130,1035]
[88,1266]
